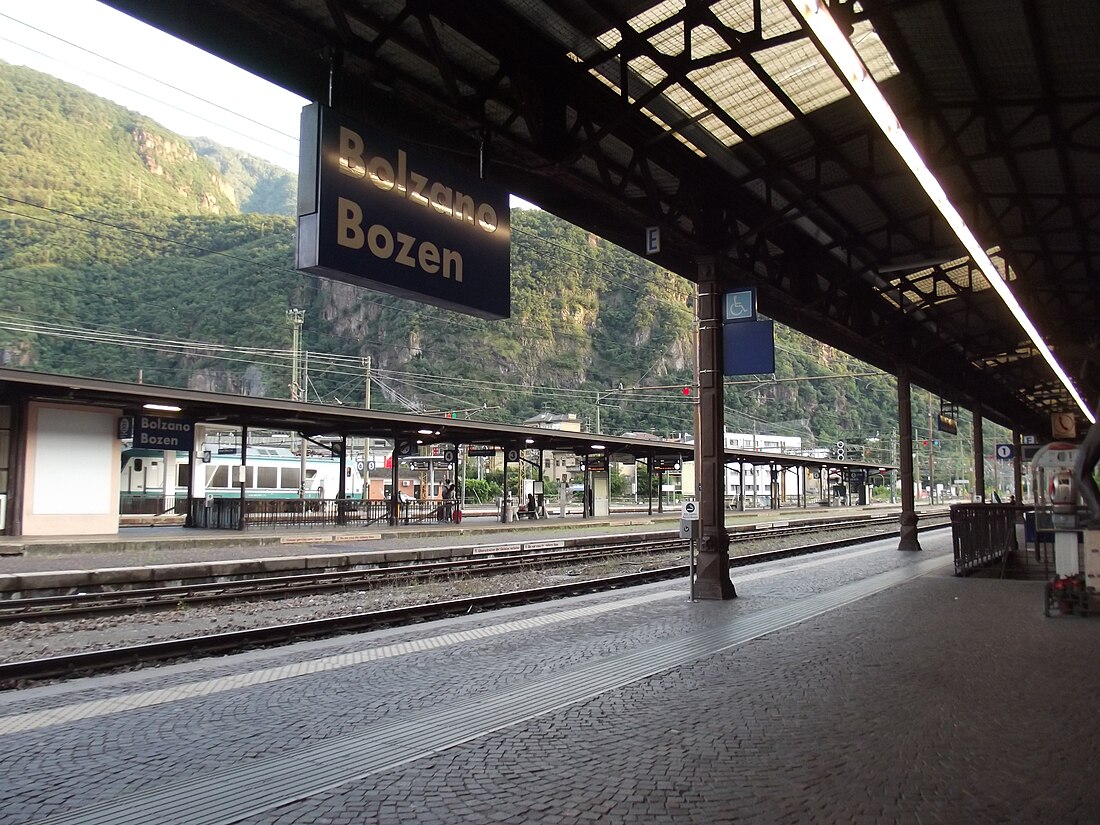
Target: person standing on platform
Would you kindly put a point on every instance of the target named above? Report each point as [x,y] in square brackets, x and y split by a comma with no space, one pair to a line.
[448,500]
[532,508]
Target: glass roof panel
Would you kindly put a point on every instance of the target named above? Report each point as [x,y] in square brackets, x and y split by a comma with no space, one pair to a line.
[730,85]
[685,100]
[669,41]
[647,69]
[737,91]
[775,17]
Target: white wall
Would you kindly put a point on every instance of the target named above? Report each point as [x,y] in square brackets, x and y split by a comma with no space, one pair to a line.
[72,458]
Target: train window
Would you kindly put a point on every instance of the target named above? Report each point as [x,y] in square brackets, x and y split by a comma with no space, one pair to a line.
[267,477]
[138,465]
[290,478]
[311,474]
[183,475]
[217,476]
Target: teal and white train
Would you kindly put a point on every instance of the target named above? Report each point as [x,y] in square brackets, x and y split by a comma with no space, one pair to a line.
[270,472]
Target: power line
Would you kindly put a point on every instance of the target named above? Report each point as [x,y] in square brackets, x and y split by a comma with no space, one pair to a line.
[158,81]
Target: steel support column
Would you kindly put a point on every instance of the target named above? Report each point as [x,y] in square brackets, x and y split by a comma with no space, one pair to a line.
[908,521]
[979,455]
[1017,474]
[342,487]
[741,487]
[713,566]
[395,498]
[241,520]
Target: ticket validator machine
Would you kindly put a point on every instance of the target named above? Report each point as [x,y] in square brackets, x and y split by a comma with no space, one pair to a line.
[689,529]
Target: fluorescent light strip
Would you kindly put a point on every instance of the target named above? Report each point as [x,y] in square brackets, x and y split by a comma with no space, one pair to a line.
[821,23]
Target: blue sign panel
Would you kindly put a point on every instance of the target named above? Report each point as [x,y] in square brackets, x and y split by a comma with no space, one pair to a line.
[156,433]
[740,305]
[748,347]
[379,213]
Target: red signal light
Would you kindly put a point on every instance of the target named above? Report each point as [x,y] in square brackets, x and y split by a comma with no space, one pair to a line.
[686,390]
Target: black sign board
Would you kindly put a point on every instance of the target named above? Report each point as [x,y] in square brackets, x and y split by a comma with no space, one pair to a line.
[378,212]
[665,463]
[156,433]
[596,462]
[481,451]
[948,425]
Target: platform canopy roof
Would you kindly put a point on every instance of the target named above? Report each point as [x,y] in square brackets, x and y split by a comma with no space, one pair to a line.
[317,420]
[726,125]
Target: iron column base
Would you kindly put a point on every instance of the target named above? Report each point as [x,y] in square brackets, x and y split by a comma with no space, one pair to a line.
[908,539]
[712,573]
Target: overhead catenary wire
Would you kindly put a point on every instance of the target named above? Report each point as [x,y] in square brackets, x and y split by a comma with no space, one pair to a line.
[159,100]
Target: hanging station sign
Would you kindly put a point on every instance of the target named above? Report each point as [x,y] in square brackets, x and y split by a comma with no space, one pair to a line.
[158,433]
[949,418]
[385,214]
[665,463]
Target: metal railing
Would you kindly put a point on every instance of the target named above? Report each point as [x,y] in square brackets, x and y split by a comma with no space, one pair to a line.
[139,504]
[225,513]
[983,534]
[216,514]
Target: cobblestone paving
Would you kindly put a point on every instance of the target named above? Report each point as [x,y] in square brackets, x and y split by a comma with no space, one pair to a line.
[911,705]
[946,701]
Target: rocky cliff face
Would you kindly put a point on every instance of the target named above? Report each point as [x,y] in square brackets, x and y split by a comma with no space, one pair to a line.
[173,160]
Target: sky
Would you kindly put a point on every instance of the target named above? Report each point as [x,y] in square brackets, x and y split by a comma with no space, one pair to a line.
[187,90]
[181,87]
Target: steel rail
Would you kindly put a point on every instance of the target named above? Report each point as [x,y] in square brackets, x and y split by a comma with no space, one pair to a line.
[21,674]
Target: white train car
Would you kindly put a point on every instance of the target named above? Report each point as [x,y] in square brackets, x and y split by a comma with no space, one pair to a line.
[270,472]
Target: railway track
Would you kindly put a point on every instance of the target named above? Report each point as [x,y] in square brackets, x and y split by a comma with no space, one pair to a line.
[132,597]
[22,674]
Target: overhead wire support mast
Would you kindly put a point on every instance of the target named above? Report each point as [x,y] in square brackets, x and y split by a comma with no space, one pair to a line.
[296,317]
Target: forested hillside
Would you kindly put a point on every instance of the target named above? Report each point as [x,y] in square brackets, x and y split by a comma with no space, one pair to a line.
[129,252]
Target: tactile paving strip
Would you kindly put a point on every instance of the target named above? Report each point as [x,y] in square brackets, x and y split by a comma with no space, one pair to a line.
[270,783]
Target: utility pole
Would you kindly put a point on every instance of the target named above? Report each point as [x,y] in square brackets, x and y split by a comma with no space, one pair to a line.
[599,397]
[296,317]
[366,394]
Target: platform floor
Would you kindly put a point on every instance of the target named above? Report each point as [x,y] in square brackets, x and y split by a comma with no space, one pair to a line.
[865,685]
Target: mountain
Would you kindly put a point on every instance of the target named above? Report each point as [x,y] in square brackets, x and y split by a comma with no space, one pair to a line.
[259,186]
[127,252]
[71,151]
